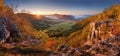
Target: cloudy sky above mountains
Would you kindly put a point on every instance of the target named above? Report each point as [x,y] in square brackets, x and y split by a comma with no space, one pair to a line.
[73,7]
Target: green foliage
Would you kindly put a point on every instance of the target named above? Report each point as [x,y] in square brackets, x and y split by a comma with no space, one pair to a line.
[42,36]
[64,26]
[61,29]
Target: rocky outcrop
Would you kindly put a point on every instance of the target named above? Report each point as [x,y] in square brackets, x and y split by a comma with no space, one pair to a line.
[7,29]
[101,27]
[67,51]
[102,41]
[107,47]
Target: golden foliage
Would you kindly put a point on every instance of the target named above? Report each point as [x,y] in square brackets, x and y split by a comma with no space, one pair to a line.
[79,36]
[23,25]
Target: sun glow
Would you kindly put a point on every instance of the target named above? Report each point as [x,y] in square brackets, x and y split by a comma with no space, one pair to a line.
[64,13]
[43,12]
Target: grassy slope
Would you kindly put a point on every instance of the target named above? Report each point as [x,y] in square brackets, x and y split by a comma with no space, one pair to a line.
[63,26]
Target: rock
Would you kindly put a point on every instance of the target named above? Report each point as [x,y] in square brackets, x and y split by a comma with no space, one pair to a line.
[64,50]
[98,28]
[106,47]
[7,29]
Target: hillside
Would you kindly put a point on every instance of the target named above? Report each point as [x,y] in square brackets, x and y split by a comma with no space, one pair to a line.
[27,33]
[15,33]
[21,24]
[97,35]
[82,28]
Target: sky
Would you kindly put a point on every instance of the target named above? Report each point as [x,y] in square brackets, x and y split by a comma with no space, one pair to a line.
[70,7]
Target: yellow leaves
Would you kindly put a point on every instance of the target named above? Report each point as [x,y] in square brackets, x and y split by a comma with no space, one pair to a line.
[42,36]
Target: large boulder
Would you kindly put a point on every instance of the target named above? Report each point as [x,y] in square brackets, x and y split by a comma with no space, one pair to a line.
[101,29]
[7,29]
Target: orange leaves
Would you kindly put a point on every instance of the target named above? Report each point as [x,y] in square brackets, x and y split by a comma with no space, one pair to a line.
[49,44]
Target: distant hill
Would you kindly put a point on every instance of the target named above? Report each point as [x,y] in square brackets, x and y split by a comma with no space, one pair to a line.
[80,17]
[60,17]
[47,21]
[66,17]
